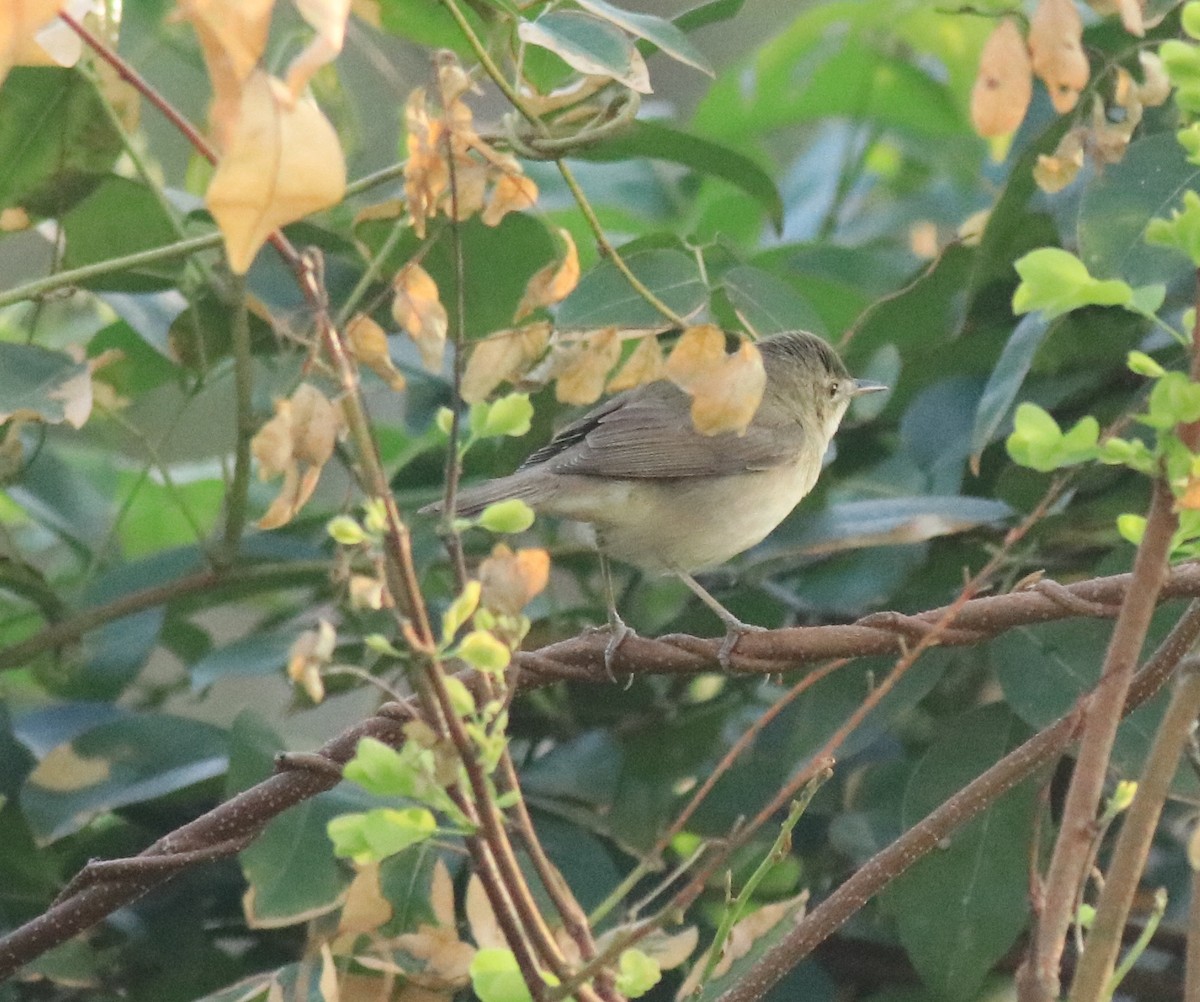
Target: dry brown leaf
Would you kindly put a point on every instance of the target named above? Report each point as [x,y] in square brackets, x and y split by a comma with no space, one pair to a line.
[447,958]
[1055,172]
[283,162]
[644,365]
[303,430]
[1056,50]
[328,19]
[420,313]
[441,890]
[426,174]
[366,592]
[553,283]
[582,369]
[469,190]
[316,424]
[481,920]
[506,355]
[1155,87]
[1004,85]
[510,580]
[512,193]
[20,21]
[233,36]
[309,653]
[369,345]
[365,907]
[725,389]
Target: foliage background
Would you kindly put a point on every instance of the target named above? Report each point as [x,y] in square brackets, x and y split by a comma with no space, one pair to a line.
[837,165]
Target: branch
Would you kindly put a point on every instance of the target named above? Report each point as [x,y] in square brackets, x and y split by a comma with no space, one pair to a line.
[582,658]
[1039,751]
[101,888]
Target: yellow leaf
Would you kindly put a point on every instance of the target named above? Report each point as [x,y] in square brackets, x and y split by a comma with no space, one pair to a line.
[421,314]
[512,193]
[725,389]
[365,907]
[20,21]
[303,430]
[553,283]
[369,346]
[505,355]
[309,652]
[510,580]
[233,37]
[485,930]
[328,19]
[1004,85]
[645,365]
[64,770]
[583,368]
[1056,50]
[283,162]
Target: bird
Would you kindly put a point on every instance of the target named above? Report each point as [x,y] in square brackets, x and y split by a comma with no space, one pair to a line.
[669,499]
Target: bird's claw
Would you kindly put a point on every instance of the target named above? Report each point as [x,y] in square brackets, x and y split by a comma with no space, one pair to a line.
[618,633]
[734,631]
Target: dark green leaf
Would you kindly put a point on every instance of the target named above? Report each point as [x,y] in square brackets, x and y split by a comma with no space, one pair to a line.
[1006,379]
[661,33]
[660,141]
[768,304]
[586,44]
[705,14]
[44,385]
[959,909]
[116,764]
[604,297]
[56,139]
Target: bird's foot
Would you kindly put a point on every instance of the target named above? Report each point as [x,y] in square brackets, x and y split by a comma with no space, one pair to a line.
[618,632]
[735,629]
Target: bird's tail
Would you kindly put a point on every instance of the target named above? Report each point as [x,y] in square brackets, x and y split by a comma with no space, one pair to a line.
[473,500]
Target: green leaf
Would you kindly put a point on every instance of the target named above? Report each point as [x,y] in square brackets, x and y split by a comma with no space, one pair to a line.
[605,298]
[1143,365]
[663,34]
[379,769]
[587,44]
[56,139]
[1132,528]
[705,14]
[1175,399]
[511,415]
[345,530]
[1006,379]
[145,225]
[43,385]
[660,141]
[1181,231]
[460,610]
[637,973]
[958,910]
[513,515]
[126,761]
[461,699]
[374,835]
[1055,281]
[768,304]
[293,842]
[1039,443]
[1119,204]
[429,24]
[496,977]
[484,652]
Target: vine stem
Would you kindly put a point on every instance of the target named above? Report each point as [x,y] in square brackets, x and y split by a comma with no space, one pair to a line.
[237,496]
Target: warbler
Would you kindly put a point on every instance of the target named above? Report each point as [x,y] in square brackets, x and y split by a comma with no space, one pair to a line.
[667,498]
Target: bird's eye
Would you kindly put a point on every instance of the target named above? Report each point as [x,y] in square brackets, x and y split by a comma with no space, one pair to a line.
[833,388]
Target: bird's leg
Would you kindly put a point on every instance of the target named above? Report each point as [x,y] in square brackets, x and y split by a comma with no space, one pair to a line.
[735,629]
[618,630]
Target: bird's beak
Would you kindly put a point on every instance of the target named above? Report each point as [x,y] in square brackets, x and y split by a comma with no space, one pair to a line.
[862,386]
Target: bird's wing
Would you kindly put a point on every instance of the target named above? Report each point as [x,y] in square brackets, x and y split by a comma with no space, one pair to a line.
[647,433]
